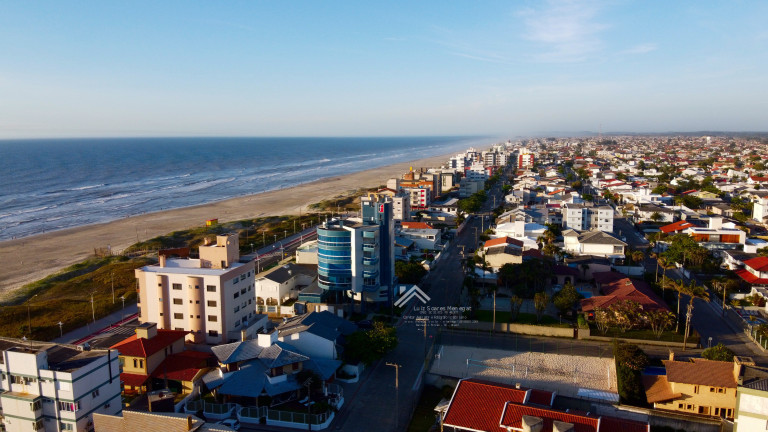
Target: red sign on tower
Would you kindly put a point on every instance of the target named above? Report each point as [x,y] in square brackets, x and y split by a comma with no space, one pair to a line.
[381,208]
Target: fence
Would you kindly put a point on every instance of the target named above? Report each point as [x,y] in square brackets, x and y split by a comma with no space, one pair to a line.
[211,410]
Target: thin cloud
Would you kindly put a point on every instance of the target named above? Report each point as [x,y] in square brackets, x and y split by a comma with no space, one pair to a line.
[568,31]
[489,59]
[641,49]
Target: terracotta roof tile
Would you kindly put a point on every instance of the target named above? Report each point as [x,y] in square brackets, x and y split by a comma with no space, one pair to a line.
[140,347]
[700,371]
[676,226]
[478,405]
[416,225]
[750,278]
[657,389]
[183,366]
[513,415]
[760,263]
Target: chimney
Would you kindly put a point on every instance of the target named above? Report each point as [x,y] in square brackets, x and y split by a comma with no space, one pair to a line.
[560,426]
[532,424]
[671,355]
[146,330]
[162,260]
[189,422]
[243,335]
[265,340]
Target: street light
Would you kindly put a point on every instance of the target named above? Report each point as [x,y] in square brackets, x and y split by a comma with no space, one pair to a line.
[275,238]
[29,315]
[397,391]
[93,309]
[61,328]
[251,247]
[285,233]
[122,315]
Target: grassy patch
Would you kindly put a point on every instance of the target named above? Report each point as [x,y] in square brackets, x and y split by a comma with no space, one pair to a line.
[424,416]
[645,334]
[523,318]
[66,297]
[349,201]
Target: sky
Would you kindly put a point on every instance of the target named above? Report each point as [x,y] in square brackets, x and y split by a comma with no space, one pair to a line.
[393,68]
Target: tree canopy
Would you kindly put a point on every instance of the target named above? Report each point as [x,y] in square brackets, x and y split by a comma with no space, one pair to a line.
[718,352]
[370,345]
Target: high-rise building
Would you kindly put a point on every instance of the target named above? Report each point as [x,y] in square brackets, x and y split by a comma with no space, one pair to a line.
[56,387]
[212,297]
[356,256]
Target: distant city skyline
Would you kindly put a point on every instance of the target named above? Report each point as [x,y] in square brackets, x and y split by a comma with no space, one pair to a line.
[494,68]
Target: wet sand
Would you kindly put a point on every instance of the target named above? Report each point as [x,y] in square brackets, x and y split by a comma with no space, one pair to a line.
[31,258]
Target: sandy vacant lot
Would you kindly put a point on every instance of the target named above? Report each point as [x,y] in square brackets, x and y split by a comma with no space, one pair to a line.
[32,258]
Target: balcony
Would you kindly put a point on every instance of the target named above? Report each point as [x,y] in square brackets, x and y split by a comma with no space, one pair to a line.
[369,261]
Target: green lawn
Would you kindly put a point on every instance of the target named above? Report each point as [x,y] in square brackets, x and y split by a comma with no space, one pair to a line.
[523,318]
[646,334]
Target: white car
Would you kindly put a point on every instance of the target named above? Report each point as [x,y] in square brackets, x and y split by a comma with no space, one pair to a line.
[230,423]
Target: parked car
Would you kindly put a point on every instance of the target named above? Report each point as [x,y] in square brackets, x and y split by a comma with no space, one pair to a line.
[230,423]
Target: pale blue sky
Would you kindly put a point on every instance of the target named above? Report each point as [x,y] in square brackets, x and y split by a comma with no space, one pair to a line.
[331,68]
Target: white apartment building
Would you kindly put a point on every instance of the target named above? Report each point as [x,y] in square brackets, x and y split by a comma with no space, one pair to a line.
[760,209]
[585,217]
[213,296]
[55,387]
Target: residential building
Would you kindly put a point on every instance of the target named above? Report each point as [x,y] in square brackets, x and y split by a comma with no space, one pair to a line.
[54,387]
[751,406]
[154,422]
[718,235]
[317,334]
[596,243]
[587,217]
[755,272]
[503,250]
[423,238]
[699,386]
[525,159]
[484,406]
[280,285]
[615,287]
[760,209]
[356,256]
[211,297]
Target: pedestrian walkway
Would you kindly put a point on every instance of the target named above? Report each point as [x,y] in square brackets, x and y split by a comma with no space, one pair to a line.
[101,324]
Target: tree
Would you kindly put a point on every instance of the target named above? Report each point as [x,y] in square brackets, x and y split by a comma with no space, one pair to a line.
[693,291]
[660,189]
[409,272]
[626,314]
[656,216]
[763,251]
[515,304]
[370,345]
[677,286]
[659,320]
[540,302]
[566,298]
[718,352]
[588,197]
[603,319]
[637,256]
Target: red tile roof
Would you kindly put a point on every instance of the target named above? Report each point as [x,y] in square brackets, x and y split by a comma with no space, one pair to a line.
[478,405]
[140,347]
[617,424]
[183,366]
[624,289]
[133,380]
[750,278]
[760,263]
[676,226]
[540,397]
[513,415]
[503,241]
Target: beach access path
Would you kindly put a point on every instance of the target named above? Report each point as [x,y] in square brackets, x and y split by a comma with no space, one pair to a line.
[32,258]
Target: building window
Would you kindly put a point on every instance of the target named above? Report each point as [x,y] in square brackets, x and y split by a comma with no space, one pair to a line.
[95,393]
[65,426]
[178,316]
[34,406]
[237,294]
[235,281]
[242,291]
[242,277]
[696,389]
[211,303]
[176,286]
[237,309]
[213,318]
[69,406]
[213,333]
[177,301]
[135,363]
[210,288]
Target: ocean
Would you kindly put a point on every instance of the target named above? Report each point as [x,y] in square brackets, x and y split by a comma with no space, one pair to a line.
[53,184]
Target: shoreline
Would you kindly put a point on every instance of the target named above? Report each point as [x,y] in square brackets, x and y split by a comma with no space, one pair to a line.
[31,258]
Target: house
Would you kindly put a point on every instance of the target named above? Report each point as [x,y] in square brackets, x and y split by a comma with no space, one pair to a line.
[615,287]
[153,421]
[424,238]
[503,250]
[676,227]
[318,334]
[654,213]
[280,285]
[142,353]
[56,387]
[760,209]
[484,406]
[755,271]
[698,386]
[752,405]
[596,243]
[266,367]
[588,217]
[718,235]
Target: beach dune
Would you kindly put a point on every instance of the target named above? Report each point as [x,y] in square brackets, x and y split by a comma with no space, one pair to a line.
[32,258]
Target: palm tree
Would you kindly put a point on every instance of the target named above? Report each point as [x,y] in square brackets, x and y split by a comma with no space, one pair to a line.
[693,291]
[678,286]
[637,256]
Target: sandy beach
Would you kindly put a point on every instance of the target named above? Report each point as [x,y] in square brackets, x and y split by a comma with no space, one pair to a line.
[31,258]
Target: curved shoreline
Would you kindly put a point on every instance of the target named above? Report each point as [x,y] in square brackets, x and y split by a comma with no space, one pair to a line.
[32,258]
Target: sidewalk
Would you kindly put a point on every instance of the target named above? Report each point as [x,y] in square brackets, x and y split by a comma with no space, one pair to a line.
[100,324]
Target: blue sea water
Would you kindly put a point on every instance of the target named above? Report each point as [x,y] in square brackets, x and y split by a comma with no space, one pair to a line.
[48,185]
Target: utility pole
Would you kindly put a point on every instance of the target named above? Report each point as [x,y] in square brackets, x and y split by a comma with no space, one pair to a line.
[308,385]
[397,391]
[112,278]
[61,329]
[29,315]
[93,309]
[688,316]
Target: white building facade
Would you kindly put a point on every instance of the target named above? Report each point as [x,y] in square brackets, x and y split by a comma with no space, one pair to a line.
[213,296]
[52,387]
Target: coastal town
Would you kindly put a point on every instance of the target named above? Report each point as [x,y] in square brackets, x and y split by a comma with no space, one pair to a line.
[596,283]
